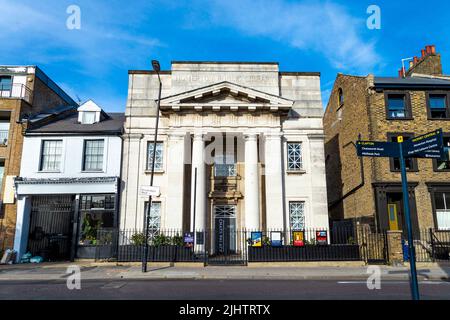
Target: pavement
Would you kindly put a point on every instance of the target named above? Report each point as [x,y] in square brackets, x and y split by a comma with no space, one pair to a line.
[306,271]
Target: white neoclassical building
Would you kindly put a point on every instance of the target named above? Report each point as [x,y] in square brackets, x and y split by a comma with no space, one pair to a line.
[240,145]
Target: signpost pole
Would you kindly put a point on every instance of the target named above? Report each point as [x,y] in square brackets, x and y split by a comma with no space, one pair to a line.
[412,256]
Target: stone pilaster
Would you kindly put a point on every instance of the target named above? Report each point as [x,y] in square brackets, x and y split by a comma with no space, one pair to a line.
[251,197]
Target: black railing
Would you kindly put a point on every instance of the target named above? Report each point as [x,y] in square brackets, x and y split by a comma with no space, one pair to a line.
[431,245]
[164,246]
[314,244]
[230,247]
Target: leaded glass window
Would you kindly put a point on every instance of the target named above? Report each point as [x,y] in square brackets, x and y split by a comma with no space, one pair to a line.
[158,156]
[93,155]
[225,211]
[155,217]
[297,215]
[294,156]
[51,155]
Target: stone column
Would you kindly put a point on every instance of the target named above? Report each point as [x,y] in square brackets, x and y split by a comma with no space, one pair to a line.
[175,181]
[251,197]
[133,156]
[198,161]
[394,245]
[274,181]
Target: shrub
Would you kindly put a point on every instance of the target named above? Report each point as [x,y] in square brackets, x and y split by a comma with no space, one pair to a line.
[138,239]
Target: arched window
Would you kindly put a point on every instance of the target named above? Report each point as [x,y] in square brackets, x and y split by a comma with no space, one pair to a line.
[341,97]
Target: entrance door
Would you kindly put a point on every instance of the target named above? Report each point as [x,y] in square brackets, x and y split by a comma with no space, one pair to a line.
[229,244]
[395,211]
[225,229]
[51,222]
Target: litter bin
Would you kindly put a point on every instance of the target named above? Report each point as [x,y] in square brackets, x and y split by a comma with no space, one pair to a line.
[405,247]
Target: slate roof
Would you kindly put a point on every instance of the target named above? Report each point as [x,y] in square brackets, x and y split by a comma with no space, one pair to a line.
[69,125]
[410,82]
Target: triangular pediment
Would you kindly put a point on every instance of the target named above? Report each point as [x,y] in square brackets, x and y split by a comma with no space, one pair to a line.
[225,95]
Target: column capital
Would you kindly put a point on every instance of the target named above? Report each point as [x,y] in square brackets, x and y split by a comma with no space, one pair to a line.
[250,136]
[133,136]
[199,136]
[273,135]
[177,136]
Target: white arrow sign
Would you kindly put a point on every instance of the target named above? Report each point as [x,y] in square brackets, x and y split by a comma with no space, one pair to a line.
[149,191]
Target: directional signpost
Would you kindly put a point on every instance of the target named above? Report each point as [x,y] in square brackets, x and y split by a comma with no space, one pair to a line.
[429,145]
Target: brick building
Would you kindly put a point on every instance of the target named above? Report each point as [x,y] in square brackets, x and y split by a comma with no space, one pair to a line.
[24,90]
[365,190]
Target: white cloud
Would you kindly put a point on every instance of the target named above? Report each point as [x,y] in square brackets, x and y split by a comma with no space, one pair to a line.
[321,26]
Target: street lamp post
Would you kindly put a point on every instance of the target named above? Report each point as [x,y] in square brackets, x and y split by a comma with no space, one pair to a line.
[157,69]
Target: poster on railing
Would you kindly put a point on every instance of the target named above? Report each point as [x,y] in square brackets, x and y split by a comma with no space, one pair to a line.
[256,239]
[322,237]
[188,239]
[275,239]
[298,238]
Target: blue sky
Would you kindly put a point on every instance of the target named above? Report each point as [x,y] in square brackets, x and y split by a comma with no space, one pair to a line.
[116,36]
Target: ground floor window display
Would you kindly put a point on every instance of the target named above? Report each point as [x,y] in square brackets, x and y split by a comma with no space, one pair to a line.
[96,211]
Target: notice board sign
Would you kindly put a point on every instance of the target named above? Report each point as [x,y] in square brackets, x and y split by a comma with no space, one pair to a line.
[298,238]
[275,239]
[322,237]
[188,239]
[256,239]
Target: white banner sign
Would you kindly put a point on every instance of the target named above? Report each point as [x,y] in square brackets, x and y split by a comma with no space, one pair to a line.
[149,191]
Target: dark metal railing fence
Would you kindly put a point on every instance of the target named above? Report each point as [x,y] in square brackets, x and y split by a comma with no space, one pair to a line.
[318,244]
[431,245]
[233,247]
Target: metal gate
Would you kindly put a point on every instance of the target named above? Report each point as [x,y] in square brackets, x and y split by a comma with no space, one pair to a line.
[376,247]
[51,222]
[227,246]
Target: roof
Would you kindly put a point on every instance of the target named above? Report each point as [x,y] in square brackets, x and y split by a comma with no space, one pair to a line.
[70,126]
[410,82]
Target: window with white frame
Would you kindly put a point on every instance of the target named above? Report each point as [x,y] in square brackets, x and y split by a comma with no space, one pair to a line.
[88,117]
[158,156]
[155,216]
[297,215]
[93,155]
[51,153]
[442,205]
[294,156]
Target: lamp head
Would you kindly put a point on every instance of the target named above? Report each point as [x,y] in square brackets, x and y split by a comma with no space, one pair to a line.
[156,66]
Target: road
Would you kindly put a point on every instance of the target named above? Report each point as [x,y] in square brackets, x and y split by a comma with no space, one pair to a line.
[219,290]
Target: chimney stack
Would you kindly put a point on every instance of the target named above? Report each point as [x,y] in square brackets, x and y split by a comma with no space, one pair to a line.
[429,63]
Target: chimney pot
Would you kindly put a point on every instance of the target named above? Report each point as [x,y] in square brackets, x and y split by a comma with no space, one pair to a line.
[423,52]
[433,49]
[400,73]
[416,60]
[428,49]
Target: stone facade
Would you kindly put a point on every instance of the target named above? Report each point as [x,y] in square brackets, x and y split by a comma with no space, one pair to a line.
[31,92]
[256,110]
[353,195]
